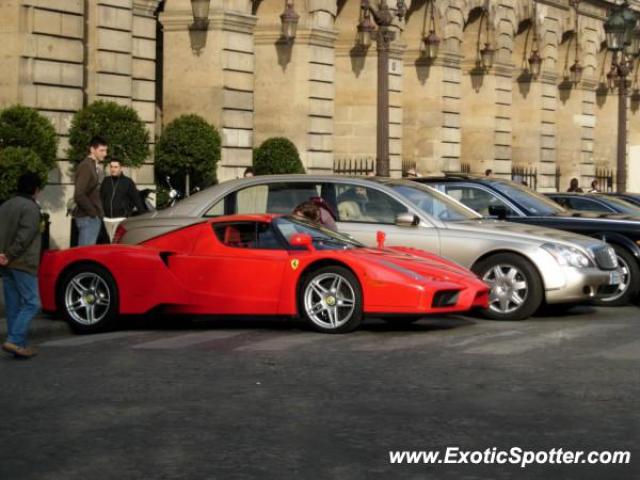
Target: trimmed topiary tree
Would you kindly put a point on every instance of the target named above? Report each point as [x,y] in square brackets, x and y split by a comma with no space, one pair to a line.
[14,161]
[276,156]
[119,125]
[25,127]
[188,151]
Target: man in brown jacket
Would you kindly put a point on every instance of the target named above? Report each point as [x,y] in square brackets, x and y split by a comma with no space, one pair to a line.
[88,212]
[20,236]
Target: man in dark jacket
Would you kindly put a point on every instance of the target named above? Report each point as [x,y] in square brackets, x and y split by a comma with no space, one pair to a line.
[20,236]
[119,197]
[88,212]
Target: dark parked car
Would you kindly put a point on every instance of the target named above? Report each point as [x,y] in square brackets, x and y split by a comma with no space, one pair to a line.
[504,199]
[595,202]
[626,196]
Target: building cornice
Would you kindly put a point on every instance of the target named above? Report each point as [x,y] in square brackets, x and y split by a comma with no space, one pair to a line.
[218,20]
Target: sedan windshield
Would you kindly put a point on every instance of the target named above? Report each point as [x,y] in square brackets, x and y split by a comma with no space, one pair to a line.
[323,238]
[533,202]
[434,203]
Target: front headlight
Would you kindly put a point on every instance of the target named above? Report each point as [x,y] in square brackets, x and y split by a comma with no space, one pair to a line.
[568,256]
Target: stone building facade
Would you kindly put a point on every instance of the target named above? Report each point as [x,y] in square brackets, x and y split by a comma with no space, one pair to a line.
[320,90]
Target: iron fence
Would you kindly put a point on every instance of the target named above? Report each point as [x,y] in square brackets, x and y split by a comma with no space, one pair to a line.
[525,175]
[408,165]
[354,166]
[606,179]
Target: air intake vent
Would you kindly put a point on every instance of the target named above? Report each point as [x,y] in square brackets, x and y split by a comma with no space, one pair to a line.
[445,298]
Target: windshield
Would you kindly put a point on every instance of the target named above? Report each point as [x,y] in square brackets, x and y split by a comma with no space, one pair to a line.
[434,203]
[323,238]
[533,202]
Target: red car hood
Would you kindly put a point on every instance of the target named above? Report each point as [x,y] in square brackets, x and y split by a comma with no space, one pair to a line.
[418,261]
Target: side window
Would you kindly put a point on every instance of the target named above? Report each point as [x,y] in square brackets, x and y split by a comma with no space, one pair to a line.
[217,210]
[562,201]
[366,205]
[252,199]
[274,198]
[477,199]
[255,235]
[588,205]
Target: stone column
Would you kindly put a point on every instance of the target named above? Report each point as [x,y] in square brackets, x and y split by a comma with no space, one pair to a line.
[211,73]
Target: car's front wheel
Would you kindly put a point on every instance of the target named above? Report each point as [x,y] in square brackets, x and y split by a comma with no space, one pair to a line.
[330,300]
[88,297]
[516,287]
[630,281]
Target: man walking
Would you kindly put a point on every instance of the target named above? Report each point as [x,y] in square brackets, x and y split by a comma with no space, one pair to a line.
[88,212]
[119,197]
[20,236]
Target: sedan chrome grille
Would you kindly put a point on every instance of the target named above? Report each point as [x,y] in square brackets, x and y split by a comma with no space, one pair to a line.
[605,257]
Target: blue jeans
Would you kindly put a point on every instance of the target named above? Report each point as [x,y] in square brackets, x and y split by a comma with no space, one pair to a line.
[88,230]
[22,303]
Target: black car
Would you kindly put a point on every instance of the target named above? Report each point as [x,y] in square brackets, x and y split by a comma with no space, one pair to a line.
[504,199]
[626,196]
[595,202]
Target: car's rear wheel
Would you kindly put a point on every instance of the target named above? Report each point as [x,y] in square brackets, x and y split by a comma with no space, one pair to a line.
[516,287]
[630,285]
[88,297]
[330,300]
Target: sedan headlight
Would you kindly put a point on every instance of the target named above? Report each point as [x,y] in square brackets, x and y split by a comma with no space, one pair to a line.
[568,256]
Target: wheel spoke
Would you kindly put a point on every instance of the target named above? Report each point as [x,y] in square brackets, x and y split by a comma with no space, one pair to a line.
[517,299]
[77,286]
[102,301]
[317,308]
[345,302]
[318,288]
[498,274]
[521,285]
[90,314]
[333,316]
[94,282]
[504,304]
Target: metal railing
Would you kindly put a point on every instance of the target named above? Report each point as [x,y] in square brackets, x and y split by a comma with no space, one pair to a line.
[606,179]
[525,175]
[354,166]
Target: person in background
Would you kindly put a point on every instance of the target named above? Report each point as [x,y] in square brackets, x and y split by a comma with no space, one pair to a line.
[594,187]
[88,210]
[574,186]
[119,196]
[307,211]
[327,217]
[488,172]
[248,172]
[413,173]
[20,238]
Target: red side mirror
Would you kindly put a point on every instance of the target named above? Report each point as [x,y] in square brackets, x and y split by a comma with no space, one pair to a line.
[302,240]
[381,237]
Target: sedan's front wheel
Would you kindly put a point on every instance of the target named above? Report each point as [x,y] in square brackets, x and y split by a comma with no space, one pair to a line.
[330,300]
[516,287]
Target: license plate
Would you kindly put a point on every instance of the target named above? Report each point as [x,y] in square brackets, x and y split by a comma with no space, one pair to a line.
[615,278]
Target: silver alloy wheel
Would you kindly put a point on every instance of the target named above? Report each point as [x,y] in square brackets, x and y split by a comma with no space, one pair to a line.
[87,298]
[624,284]
[329,300]
[509,288]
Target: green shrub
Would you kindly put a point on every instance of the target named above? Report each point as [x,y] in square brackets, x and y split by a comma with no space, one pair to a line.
[276,156]
[122,128]
[14,161]
[25,127]
[188,145]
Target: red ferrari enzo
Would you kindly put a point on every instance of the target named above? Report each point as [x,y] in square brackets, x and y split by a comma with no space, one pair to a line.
[254,265]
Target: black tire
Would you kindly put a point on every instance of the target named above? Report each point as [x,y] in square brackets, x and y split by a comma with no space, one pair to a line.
[630,264]
[527,272]
[102,299]
[349,286]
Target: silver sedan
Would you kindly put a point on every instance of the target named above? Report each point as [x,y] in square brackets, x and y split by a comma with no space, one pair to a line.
[525,266]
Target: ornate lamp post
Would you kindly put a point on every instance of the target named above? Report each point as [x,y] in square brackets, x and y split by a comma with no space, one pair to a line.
[200,9]
[384,35]
[620,29]
[575,72]
[535,60]
[431,42]
[289,20]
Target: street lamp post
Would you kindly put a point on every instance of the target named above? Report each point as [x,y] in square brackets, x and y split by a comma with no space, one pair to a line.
[384,35]
[622,40]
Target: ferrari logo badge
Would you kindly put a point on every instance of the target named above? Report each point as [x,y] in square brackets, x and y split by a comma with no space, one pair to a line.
[294,263]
